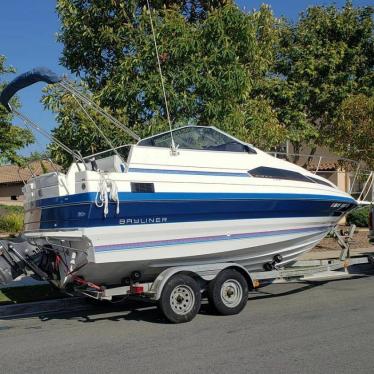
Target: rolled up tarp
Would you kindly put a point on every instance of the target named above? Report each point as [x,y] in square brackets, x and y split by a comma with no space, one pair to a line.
[27,79]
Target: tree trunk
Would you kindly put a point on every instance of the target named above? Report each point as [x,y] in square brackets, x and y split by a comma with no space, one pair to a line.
[310,158]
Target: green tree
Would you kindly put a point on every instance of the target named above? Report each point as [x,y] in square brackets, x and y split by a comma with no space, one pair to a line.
[76,129]
[354,129]
[192,10]
[12,138]
[36,156]
[322,59]
[212,65]
[98,35]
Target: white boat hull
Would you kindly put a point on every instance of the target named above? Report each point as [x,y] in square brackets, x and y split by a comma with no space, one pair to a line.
[247,242]
[165,210]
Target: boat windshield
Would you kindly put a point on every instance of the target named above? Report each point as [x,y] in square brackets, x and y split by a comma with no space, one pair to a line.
[198,137]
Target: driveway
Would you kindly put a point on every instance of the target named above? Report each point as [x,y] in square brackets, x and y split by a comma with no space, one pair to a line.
[319,328]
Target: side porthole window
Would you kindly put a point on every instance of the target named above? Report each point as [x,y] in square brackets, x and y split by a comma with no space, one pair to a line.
[142,187]
[266,172]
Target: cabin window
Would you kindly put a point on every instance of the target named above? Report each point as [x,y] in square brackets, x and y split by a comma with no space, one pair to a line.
[316,180]
[266,172]
[142,187]
[199,138]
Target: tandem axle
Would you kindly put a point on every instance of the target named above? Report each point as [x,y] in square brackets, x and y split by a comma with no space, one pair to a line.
[178,290]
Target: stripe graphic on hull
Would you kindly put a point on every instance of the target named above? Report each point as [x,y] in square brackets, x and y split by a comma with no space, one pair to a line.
[190,172]
[176,211]
[89,197]
[204,239]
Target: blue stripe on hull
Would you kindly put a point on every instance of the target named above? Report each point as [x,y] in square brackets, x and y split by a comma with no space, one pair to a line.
[129,196]
[169,211]
[205,239]
[189,172]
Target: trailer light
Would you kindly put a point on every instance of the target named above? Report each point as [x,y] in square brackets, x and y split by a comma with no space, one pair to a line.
[256,283]
[137,289]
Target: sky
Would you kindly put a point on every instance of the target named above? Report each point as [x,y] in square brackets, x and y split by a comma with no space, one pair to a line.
[28,39]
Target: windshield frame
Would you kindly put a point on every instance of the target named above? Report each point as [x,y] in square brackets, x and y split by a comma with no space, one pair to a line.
[247,148]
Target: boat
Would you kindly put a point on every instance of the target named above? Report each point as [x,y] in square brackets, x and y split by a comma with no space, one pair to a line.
[189,196]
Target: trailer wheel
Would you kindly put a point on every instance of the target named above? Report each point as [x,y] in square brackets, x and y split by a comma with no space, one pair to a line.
[180,299]
[228,292]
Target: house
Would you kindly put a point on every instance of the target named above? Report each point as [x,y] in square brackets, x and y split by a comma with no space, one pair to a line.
[13,178]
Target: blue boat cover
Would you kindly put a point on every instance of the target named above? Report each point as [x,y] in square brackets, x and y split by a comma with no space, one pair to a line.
[27,79]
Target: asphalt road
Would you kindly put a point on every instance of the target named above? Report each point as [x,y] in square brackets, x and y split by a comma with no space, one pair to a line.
[324,328]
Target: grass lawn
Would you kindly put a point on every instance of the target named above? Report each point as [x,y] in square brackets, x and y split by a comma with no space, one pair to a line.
[10,209]
[11,219]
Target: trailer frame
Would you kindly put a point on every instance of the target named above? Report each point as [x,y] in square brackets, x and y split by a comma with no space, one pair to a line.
[300,271]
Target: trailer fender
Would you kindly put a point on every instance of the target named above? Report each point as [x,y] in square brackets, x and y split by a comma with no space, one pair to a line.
[205,272]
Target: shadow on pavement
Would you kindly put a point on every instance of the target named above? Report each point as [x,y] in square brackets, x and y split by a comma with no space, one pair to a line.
[130,310]
[138,310]
[309,284]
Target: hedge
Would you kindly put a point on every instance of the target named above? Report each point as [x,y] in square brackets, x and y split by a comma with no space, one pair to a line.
[359,217]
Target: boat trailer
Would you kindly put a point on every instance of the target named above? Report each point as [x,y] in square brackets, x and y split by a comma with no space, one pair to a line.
[20,258]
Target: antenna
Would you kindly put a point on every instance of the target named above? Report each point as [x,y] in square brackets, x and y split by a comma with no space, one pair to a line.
[173,148]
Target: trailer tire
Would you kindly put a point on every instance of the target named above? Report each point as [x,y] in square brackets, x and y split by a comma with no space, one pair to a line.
[228,292]
[180,299]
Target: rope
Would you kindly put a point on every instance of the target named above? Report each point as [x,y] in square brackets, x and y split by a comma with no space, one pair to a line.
[103,196]
[113,194]
[101,199]
[162,78]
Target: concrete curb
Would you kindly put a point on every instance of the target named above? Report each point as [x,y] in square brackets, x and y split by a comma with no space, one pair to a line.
[42,307]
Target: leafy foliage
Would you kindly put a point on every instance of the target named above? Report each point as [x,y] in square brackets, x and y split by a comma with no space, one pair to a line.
[259,78]
[75,129]
[192,10]
[322,59]
[11,218]
[359,217]
[355,117]
[211,66]
[11,222]
[5,209]
[12,138]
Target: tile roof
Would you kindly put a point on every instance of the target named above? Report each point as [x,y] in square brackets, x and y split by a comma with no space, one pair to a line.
[16,174]
[324,166]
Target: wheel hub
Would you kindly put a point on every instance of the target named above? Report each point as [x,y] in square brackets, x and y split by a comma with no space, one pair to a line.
[231,293]
[182,299]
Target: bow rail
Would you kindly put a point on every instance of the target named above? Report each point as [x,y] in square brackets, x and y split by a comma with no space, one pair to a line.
[350,175]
